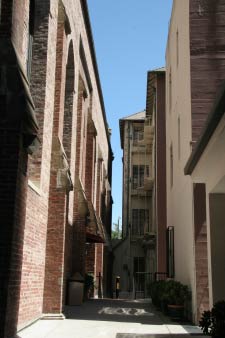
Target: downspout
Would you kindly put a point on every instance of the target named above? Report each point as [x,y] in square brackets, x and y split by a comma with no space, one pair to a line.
[155,192]
[128,180]
[128,208]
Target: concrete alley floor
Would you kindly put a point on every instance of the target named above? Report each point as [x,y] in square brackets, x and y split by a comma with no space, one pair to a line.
[109,318]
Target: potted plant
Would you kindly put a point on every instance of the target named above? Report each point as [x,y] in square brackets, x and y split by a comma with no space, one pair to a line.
[175,295]
[156,292]
[213,322]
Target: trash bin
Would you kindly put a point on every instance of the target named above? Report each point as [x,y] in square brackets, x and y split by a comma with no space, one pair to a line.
[76,289]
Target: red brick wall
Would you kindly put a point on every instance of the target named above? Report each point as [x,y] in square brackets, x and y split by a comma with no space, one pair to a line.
[90,258]
[98,188]
[161,174]
[89,174]
[68,249]
[201,255]
[57,215]
[79,232]
[79,240]
[207,58]
[33,267]
[41,203]
[99,247]
[12,209]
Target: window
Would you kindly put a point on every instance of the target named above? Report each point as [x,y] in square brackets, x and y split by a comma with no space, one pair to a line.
[170,90]
[139,276]
[140,220]
[178,131]
[170,252]
[171,165]
[138,175]
[30,37]
[138,134]
[177,47]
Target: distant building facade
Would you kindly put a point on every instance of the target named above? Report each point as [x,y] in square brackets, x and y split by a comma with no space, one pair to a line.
[56,160]
[133,260]
[195,72]
[140,257]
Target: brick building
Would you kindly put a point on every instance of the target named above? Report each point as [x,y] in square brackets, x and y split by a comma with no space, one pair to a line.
[155,137]
[195,73]
[56,159]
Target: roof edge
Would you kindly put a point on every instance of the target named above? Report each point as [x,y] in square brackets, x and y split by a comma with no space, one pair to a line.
[84,7]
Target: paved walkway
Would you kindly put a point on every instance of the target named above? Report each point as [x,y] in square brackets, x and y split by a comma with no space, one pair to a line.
[110,319]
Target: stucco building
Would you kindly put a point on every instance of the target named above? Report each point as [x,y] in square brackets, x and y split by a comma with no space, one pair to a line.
[56,160]
[207,168]
[195,72]
[140,256]
[131,260]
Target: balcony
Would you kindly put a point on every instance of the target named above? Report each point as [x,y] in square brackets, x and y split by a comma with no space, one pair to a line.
[139,147]
[146,240]
[148,135]
[141,192]
[149,240]
[147,184]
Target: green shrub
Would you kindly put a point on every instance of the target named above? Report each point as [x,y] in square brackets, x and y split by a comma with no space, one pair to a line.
[156,292]
[213,322]
[175,293]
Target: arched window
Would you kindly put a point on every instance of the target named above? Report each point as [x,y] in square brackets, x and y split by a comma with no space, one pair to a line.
[68,105]
[37,61]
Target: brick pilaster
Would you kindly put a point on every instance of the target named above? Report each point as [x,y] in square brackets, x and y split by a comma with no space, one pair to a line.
[79,231]
[12,210]
[57,216]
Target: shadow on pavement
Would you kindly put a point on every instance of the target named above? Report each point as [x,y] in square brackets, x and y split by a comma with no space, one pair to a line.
[130,311]
[115,310]
[132,335]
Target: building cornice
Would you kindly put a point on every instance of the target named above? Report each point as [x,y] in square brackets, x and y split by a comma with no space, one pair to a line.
[87,21]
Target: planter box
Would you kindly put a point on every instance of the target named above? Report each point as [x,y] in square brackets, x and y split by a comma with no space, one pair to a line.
[176,312]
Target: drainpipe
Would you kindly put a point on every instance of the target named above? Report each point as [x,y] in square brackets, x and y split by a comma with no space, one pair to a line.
[128,235]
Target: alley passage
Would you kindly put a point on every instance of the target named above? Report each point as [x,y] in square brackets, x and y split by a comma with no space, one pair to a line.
[110,319]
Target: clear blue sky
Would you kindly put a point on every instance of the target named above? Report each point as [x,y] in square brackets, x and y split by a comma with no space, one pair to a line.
[130,39]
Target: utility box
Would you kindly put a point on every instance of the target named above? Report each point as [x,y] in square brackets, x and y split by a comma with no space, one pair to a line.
[76,289]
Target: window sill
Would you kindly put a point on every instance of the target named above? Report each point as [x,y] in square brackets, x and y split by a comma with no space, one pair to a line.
[33,186]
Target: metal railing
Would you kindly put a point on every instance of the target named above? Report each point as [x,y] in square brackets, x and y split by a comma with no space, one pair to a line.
[142,283]
[160,276]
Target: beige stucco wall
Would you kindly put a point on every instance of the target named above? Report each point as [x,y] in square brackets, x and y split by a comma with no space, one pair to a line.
[179,195]
[211,166]
[211,171]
